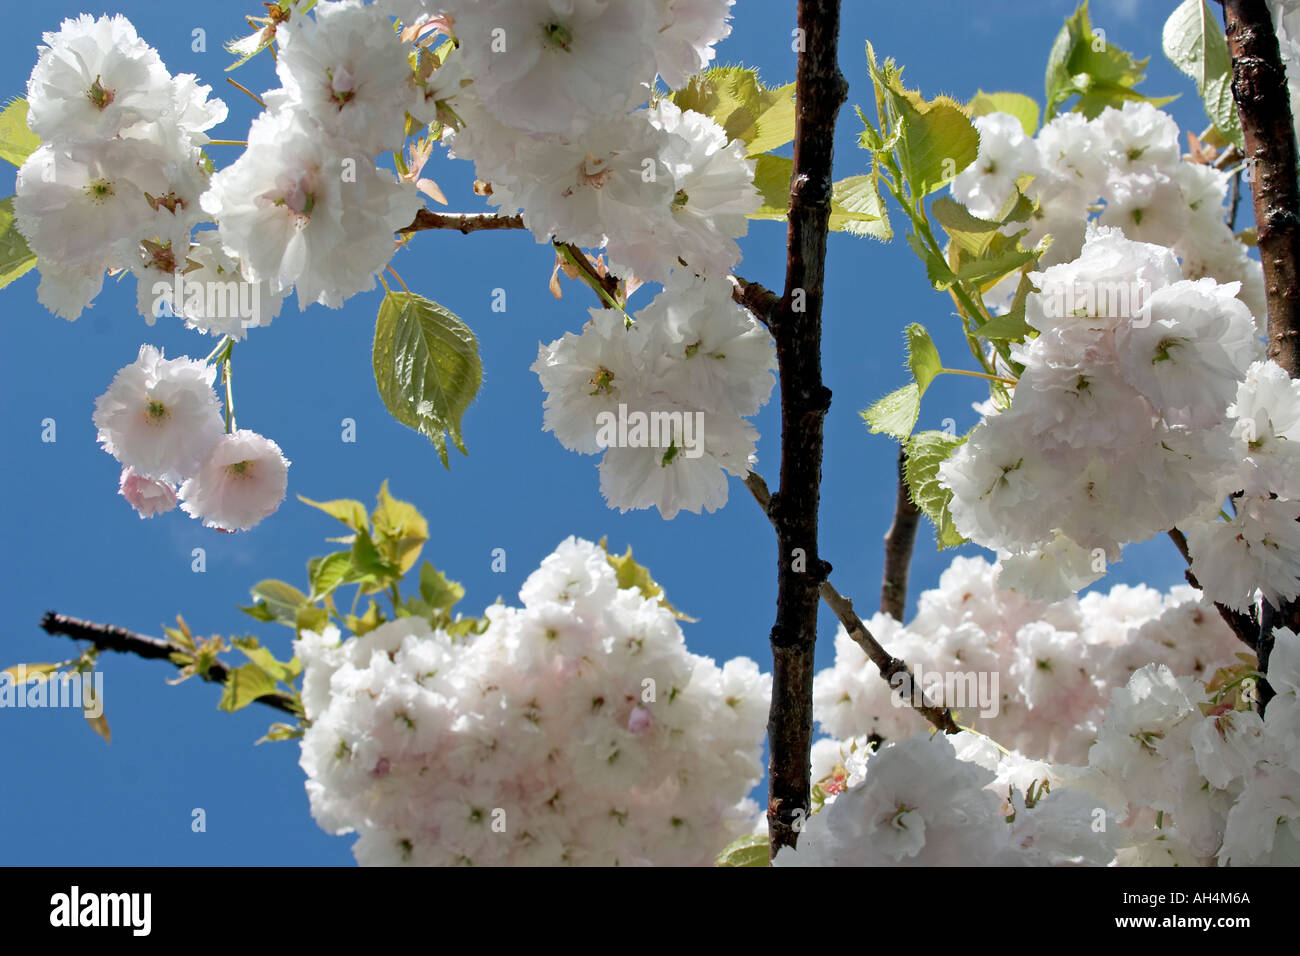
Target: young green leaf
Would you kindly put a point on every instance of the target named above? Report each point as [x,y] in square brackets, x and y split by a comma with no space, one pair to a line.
[15,258]
[280,600]
[896,413]
[922,357]
[926,451]
[1022,107]
[348,510]
[1193,41]
[244,685]
[748,850]
[17,141]
[856,208]
[427,367]
[1085,63]
[436,591]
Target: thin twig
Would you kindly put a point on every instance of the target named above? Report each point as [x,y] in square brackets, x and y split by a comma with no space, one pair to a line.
[759,300]
[899,540]
[464,222]
[887,664]
[1245,626]
[107,637]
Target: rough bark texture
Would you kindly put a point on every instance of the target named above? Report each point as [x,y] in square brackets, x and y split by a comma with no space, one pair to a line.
[899,540]
[464,222]
[1264,104]
[1259,87]
[820,90]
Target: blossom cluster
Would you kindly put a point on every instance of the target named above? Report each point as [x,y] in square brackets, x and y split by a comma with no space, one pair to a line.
[1125,163]
[1142,406]
[686,372]
[117,180]
[161,419]
[545,96]
[576,729]
[1044,669]
[1172,766]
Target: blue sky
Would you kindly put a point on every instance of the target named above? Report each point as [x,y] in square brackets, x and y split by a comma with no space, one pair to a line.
[74,546]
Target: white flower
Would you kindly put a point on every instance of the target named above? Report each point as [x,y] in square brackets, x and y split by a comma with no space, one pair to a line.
[553,66]
[242,481]
[95,79]
[1139,138]
[346,69]
[284,209]
[1267,422]
[215,298]
[1050,573]
[1257,549]
[719,356]
[160,416]
[145,495]
[601,183]
[1005,154]
[685,42]
[714,195]
[73,207]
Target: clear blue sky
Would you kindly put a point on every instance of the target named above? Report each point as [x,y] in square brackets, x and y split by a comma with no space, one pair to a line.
[74,546]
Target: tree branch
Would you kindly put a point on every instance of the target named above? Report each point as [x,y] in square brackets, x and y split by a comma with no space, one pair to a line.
[1243,625]
[820,90]
[1259,87]
[107,637]
[887,664]
[763,302]
[465,222]
[899,540]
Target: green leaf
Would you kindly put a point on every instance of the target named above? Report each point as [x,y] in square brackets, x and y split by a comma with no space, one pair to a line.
[896,413]
[856,208]
[281,732]
[400,529]
[17,141]
[772,175]
[1084,62]
[1022,107]
[762,117]
[15,258]
[329,572]
[314,619]
[367,559]
[427,367]
[922,357]
[936,270]
[971,234]
[926,451]
[1011,326]
[258,612]
[244,685]
[436,590]
[366,622]
[25,673]
[348,510]
[1193,41]
[938,142]
[935,139]
[263,658]
[749,850]
[631,574]
[281,600]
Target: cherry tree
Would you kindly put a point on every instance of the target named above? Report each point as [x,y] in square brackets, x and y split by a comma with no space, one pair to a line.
[1141,365]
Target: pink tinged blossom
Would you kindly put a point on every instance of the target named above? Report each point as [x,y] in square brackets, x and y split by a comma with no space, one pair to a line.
[241,482]
[639,720]
[146,495]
